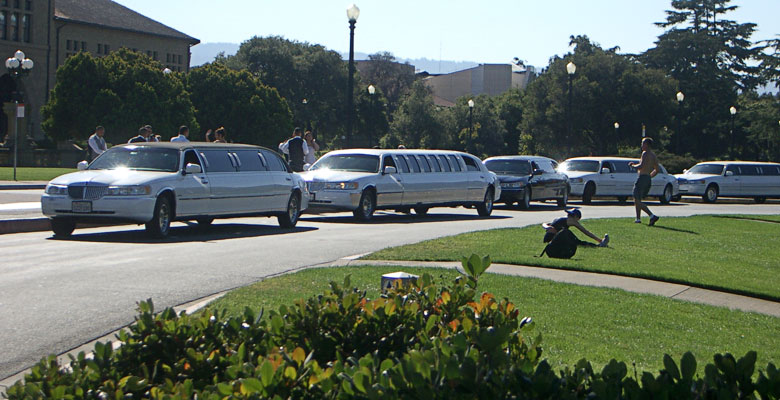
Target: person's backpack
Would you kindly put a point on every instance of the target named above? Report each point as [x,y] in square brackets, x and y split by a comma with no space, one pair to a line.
[562,245]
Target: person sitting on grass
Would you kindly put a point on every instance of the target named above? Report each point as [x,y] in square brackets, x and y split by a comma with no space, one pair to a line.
[572,219]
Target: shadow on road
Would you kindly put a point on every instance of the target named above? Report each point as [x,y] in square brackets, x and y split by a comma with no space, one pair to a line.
[190,233]
[389,217]
[533,207]
[629,203]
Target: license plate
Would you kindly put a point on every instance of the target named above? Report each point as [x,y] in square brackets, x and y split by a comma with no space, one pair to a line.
[81,206]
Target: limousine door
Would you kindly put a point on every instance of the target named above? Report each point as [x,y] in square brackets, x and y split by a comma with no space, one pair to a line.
[478,179]
[389,187]
[192,190]
[730,182]
[228,194]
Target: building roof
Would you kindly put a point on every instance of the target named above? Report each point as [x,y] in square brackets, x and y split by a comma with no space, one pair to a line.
[108,14]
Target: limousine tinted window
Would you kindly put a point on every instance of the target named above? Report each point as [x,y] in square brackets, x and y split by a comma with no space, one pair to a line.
[444,164]
[138,158]
[424,163]
[275,163]
[250,160]
[707,169]
[413,163]
[622,167]
[349,162]
[434,164]
[454,163]
[404,166]
[749,170]
[218,161]
[471,165]
[580,165]
[509,167]
[190,157]
[770,170]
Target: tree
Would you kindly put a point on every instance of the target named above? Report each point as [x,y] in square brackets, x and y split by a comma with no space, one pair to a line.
[510,112]
[606,88]
[757,121]
[372,117]
[299,71]
[250,111]
[417,123]
[122,91]
[393,78]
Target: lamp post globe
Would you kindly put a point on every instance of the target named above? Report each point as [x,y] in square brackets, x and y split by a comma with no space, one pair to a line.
[18,65]
[371,89]
[680,97]
[167,71]
[571,68]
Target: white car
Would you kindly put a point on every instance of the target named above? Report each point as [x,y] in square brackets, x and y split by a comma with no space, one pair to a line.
[363,180]
[591,177]
[157,183]
[713,179]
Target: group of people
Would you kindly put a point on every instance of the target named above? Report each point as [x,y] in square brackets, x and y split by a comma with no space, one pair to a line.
[300,149]
[96,144]
[646,168]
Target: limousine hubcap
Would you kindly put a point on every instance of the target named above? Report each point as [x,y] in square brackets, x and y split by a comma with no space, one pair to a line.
[292,209]
[164,218]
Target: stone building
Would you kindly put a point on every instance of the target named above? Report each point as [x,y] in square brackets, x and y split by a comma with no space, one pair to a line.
[50,31]
[489,79]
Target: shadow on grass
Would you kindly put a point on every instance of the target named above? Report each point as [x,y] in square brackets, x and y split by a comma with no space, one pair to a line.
[674,229]
[756,219]
[184,234]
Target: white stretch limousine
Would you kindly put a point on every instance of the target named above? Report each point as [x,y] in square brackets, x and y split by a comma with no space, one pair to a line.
[362,181]
[157,183]
[713,179]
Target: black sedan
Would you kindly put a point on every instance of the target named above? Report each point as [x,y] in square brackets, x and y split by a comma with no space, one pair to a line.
[529,178]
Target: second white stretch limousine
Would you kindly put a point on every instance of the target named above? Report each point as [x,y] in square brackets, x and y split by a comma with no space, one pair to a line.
[363,180]
[713,179]
[157,183]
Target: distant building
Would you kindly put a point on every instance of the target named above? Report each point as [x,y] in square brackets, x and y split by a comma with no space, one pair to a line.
[50,31]
[489,79]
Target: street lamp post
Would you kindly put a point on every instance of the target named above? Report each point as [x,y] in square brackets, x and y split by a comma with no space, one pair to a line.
[733,112]
[617,136]
[680,98]
[570,70]
[304,102]
[353,12]
[471,123]
[18,65]
[371,93]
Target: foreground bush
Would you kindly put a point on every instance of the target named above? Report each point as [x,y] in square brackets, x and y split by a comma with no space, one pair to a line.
[427,341]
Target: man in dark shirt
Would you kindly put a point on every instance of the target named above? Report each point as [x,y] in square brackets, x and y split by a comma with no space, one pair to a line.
[295,148]
[143,136]
[572,219]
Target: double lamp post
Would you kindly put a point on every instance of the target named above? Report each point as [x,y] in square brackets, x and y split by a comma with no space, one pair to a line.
[17,66]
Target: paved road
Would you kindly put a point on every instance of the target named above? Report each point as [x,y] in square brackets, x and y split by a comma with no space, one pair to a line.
[58,294]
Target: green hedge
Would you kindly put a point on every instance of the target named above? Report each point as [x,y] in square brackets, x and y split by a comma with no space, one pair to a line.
[435,341]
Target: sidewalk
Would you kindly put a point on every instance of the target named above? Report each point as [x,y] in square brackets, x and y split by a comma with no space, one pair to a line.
[16,216]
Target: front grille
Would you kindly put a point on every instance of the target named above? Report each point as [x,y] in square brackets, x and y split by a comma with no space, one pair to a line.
[80,191]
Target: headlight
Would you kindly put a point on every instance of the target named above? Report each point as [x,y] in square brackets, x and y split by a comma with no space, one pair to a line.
[575,180]
[56,189]
[134,190]
[341,185]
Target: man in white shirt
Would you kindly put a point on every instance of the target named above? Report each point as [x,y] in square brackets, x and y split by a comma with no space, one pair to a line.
[97,145]
[184,133]
[296,149]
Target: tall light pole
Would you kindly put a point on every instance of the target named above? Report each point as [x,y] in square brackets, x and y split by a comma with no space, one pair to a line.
[18,65]
[304,102]
[353,12]
[733,112]
[371,93]
[678,135]
[471,123]
[570,69]
[617,136]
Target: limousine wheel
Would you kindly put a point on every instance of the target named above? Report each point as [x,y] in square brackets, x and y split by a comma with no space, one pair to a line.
[290,218]
[666,198]
[563,201]
[62,226]
[525,202]
[160,225]
[485,208]
[366,206]
[759,199]
[587,194]
[711,194]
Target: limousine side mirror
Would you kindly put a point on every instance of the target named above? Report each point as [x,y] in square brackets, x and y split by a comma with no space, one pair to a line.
[82,165]
[605,171]
[389,170]
[192,169]
[685,171]
[729,173]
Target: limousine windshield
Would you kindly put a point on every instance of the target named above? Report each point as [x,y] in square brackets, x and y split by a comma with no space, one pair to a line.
[509,167]
[138,158]
[706,169]
[348,162]
[580,165]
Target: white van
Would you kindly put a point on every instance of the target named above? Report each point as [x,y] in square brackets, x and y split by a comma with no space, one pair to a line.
[157,183]
[591,177]
[713,179]
[364,180]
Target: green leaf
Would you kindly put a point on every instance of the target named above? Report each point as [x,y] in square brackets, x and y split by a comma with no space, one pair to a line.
[671,367]
[267,373]
[251,385]
[688,366]
[360,380]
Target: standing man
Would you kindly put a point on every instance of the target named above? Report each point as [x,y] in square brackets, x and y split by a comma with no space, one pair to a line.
[97,145]
[646,168]
[143,136]
[153,137]
[184,133]
[295,148]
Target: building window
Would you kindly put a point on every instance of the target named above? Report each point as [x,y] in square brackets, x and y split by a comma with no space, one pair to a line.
[106,48]
[167,57]
[16,3]
[155,55]
[4,25]
[179,58]
[148,53]
[83,46]
[26,28]
[100,48]
[67,44]
[15,27]
[28,5]
[4,3]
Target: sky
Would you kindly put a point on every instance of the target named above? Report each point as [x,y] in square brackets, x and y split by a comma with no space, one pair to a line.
[492,31]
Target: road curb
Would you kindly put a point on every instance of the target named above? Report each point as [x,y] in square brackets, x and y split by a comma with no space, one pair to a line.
[23,186]
[24,225]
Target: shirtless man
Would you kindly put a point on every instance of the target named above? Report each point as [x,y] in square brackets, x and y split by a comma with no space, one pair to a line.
[647,168]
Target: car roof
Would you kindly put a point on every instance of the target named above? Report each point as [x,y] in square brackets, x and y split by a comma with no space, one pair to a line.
[601,159]
[197,145]
[521,158]
[739,162]
[380,152]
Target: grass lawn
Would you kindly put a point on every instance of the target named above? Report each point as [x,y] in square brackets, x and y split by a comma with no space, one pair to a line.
[738,254]
[575,321]
[32,173]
